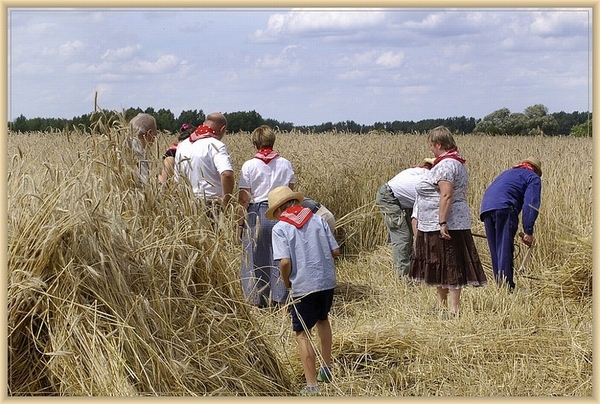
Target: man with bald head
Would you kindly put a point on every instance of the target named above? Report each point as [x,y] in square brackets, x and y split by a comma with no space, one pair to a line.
[203,159]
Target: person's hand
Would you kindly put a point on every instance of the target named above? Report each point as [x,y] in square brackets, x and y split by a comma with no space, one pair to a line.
[444,232]
[527,239]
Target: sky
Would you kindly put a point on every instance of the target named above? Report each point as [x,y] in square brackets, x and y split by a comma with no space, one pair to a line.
[302,66]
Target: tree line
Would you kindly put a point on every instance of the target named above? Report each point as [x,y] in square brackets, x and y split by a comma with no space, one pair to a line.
[534,120]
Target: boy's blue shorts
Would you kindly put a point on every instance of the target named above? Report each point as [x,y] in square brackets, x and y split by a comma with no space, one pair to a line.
[308,309]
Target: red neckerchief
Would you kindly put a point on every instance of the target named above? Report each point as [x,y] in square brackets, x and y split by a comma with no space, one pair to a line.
[173,147]
[526,166]
[266,154]
[296,215]
[202,132]
[450,154]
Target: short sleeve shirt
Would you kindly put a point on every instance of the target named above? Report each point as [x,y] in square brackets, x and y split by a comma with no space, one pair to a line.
[260,178]
[428,197]
[202,162]
[309,250]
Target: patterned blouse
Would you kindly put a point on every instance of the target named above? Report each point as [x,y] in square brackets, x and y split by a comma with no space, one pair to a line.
[427,204]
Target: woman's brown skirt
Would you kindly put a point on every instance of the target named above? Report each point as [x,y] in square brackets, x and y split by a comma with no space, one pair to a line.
[450,263]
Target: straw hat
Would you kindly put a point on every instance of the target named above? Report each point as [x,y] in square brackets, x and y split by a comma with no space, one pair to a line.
[535,162]
[279,196]
[428,160]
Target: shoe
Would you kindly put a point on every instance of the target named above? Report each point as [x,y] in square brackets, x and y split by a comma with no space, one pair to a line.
[324,375]
[309,391]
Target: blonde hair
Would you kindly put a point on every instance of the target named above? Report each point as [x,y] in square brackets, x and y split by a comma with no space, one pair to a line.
[142,123]
[263,136]
[442,136]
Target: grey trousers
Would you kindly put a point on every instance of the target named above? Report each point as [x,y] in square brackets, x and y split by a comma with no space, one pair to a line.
[398,222]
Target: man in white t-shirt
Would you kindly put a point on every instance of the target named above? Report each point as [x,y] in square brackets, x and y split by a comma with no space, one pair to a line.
[203,159]
[395,200]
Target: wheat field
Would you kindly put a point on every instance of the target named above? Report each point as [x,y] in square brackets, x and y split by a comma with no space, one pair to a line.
[117,290]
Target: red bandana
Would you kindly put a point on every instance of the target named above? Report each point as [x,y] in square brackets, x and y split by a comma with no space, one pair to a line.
[525,165]
[450,154]
[173,147]
[266,154]
[296,215]
[202,132]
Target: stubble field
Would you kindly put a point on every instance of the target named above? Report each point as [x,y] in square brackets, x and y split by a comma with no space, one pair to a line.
[116,290]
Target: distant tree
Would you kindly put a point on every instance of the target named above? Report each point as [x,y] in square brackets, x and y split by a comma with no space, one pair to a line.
[19,124]
[538,122]
[193,117]
[282,126]
[582,130]
[243,121]
[493,123]
[566,121]
[165,120]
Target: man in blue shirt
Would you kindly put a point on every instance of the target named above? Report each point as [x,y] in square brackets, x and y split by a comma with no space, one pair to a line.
[514,190]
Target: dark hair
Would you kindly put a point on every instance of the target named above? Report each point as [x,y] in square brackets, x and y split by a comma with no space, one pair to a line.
[185,131]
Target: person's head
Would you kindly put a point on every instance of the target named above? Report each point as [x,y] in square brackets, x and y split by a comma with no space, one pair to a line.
[440,140]
[218,122]
[535,163]
[185,131]
[143,126]
[280,199]
[263,136]
[427,162]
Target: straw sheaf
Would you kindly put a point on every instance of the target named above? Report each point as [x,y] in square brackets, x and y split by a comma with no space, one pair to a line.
[104,300]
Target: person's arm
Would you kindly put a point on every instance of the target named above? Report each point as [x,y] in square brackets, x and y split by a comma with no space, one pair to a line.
[446,193]
[242,209]
[285,268]
[227,183]
[335,253]
[167,170]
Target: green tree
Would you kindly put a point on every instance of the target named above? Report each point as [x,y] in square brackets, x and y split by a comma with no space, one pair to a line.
[165,120]
[493,123]
[193,117]
[243,121]
[582,130]
[538,122]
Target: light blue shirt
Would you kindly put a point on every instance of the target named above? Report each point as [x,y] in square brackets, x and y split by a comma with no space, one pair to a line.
[309,249]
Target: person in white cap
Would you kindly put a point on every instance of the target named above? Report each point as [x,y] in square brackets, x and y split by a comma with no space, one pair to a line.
[306,248]
[514,190]
[395,200]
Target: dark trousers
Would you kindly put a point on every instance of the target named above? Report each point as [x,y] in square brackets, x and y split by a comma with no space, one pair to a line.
[501,226]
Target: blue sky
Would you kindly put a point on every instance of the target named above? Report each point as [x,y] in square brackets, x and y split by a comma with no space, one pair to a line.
[304,66]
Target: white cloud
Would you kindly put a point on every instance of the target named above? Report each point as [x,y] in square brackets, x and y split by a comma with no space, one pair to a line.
[41,28]
[318,22]
[70,48]
[351,75]
[458,67]
[390,59]
[558,23]
[120,54]
[162,65]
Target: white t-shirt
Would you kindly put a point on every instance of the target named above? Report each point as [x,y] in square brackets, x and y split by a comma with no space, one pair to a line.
[309,249]
[261,178]
[202,162]
[403,185]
